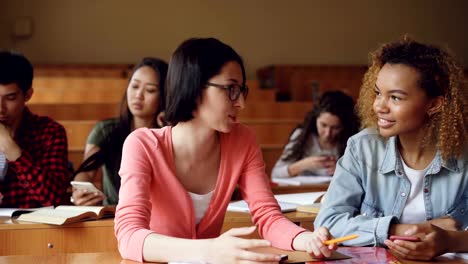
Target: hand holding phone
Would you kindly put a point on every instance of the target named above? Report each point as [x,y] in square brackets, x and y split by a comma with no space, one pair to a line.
[405,238]
[85,193]
[88,186]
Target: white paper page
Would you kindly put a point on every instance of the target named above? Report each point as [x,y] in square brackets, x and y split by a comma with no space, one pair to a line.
[456,255]
[81,209]
[8,212]
[198,262]
[307,198]
[303,180]
[241,206]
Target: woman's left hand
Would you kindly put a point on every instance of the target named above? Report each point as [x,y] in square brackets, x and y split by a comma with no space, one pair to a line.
[434,242]
[312,242]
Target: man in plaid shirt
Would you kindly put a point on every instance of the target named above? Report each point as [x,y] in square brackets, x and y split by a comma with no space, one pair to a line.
[35,147]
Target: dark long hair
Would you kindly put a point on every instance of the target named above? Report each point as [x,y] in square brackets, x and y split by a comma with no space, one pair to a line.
[193,63]
[333,102]
[124,126]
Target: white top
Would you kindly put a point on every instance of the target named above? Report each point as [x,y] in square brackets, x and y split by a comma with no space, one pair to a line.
[415,210]
[200,204]
[312,148]
[3,166]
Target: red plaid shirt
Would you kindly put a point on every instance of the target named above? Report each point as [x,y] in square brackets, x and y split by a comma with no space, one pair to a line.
[40,176]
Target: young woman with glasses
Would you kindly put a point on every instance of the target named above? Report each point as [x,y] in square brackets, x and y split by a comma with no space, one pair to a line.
[177,181]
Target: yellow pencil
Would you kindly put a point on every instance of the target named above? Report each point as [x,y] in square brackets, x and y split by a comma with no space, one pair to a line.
[340,239]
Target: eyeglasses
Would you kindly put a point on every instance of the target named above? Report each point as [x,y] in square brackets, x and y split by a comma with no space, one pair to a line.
[234,90]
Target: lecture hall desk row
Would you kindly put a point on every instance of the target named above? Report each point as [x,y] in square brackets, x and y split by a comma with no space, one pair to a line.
[114,258]
[367,255]
[105,90]
[272,135]
[268,132]
[24,238]
[98,111]
[271,153]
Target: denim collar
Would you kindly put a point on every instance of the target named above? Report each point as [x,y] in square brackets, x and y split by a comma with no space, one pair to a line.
[392,161]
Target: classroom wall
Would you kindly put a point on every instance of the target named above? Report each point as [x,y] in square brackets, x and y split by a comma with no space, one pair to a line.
[262,31]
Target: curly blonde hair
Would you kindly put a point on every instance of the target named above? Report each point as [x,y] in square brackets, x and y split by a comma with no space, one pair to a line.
[440,76]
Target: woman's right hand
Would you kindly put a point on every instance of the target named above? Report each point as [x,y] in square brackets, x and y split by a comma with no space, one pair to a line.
[83,197]
[230,248]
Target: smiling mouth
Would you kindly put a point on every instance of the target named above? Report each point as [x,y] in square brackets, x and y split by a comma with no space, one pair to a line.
[384,123]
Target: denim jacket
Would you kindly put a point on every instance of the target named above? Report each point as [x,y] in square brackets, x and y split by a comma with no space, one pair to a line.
[369,190]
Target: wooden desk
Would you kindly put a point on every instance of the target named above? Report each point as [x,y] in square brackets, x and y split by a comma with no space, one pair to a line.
[24,238]
[237,219]
[114,258]
[288,189]
[300,189]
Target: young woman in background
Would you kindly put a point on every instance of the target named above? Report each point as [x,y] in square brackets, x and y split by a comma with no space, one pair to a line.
[141,106]
[316,144]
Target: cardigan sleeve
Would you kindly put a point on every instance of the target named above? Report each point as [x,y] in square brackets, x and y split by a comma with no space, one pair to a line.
[255,188]
[132,217]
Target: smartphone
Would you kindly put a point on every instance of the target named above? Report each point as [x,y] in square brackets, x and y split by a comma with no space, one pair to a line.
[405,238]
[88,186]
[283,258]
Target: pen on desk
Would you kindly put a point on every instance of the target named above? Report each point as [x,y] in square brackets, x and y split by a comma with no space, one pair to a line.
[340,239]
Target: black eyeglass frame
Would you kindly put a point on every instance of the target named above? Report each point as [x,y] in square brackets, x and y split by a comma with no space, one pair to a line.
[233,93]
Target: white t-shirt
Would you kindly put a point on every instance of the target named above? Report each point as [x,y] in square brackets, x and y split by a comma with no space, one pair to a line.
[415,210]
[200,204]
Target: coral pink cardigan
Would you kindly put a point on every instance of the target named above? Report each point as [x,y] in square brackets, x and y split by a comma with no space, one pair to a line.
[152,200]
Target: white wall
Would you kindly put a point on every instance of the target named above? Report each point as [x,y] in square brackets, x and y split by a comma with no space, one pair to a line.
[262,31]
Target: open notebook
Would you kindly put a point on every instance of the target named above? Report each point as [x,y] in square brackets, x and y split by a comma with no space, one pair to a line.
[65,214]
[287,202]
[15,212]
